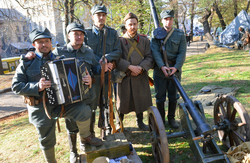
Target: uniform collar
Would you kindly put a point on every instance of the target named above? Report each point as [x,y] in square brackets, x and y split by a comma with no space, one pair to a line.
[71,49]
[96,30]
[39,55]
[135,38]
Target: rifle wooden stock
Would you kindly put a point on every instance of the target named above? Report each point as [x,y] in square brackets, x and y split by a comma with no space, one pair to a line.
[111,111]
[151,81]
[101,123]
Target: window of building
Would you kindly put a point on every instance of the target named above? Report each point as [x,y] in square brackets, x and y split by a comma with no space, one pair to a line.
[17,29]
[50,25]
[25,38]
[19,39]
[24,28]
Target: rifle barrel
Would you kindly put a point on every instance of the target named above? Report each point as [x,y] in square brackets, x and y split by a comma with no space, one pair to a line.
[154,14]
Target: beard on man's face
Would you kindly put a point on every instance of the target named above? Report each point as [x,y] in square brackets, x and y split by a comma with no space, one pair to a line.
[132,31]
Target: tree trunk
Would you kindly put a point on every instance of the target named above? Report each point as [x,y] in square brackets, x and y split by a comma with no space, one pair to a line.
[192,20]
[66,14]
[174,5]
[176,14]
[235,8]
[1,66]
[222,22]
[204,21]
[248,4]
[72,11]
[141,21]
[210,19]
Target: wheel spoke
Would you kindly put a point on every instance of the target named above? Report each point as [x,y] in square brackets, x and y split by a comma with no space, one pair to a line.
[232,118]
[237,135]
[231,140]
[229,111]
[223,110]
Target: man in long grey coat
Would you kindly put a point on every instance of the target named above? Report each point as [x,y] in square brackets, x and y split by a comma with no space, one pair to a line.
[134,91]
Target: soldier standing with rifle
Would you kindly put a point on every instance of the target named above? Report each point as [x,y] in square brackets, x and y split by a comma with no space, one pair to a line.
[133,91]
[106,46]
[175,53]
[27,81]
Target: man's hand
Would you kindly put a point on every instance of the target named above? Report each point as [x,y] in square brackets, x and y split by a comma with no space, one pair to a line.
[43,84]
[87,80]
[108,66]
[168,71]
[30,55]
[135,70]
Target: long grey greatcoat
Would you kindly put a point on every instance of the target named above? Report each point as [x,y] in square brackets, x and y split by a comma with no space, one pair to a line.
[134,91]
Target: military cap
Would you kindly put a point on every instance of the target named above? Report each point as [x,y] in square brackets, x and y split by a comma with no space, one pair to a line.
[37,34]
[75,27]
[167,14]
[98,9]
[130,15]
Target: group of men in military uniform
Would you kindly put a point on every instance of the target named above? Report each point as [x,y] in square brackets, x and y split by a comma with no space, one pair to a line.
[133,54]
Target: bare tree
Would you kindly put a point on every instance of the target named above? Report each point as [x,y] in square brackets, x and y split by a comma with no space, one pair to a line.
[183,14]
[1,65]
[174,5]
[235,8]
[222,22]
[248,4]
[72,5]
[192,14]
[204,21]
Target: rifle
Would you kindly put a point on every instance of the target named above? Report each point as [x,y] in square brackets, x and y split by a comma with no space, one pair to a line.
[111,111]
[102,102]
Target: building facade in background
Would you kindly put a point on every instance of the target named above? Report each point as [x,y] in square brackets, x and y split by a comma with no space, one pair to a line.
[19,17]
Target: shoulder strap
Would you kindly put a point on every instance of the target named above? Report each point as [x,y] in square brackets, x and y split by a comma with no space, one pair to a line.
[132,48]
[169,34]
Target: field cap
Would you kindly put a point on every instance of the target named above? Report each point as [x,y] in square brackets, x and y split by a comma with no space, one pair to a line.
[167,13]
[130,15]
[75,27]
[98,8]
[37,34]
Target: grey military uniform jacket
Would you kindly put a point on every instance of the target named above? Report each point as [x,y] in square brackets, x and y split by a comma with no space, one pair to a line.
[85,56]
[134,91]
[94,39]
[176,52]
[25,82]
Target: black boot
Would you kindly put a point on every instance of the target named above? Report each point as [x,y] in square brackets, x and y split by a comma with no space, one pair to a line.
[171,114]
[161,109]
[73,149]
[92,123]
[140,123]
[49,155]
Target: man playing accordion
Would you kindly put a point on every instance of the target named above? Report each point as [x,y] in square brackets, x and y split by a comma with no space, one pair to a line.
[28,82]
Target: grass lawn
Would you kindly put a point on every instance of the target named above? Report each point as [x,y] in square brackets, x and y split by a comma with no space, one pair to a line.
[19,140]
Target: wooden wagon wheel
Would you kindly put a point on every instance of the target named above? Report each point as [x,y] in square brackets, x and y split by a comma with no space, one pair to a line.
[159,139]
[229,113]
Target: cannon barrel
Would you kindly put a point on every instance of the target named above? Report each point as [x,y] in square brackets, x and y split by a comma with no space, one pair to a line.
[203,127]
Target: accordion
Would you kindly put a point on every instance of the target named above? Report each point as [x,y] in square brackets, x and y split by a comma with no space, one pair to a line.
[66,78]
